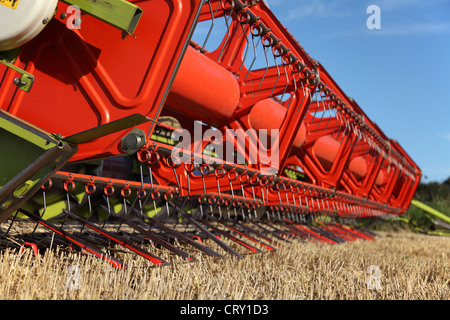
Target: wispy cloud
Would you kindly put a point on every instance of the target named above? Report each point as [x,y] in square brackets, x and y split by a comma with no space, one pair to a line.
[416,28]
[446,136]
[316,8]
[435,173]
[398,17]
[399,5]
[399,29]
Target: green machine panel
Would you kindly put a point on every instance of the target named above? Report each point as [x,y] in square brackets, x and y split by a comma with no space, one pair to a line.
[29,156]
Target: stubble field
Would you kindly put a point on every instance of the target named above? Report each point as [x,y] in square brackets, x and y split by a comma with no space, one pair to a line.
[397,266]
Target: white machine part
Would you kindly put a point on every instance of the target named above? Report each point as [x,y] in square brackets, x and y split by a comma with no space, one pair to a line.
[22,20]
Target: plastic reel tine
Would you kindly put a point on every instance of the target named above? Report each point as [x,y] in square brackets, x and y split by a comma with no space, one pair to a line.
[156,239]
[357,233]
[329,115]
[308,232]
[267,68]
[183,238]
[227,37]
[258,234]
[76,241]
[12,222]
[243,234]
[317,108]
[218,205]
[118,239]
[326,233]
[347,236]
[338,234]
[278,75]
[206,232]
[246,47]
[109,211]
[90,188]
[303,235]
[368,233]
[44,203]
[218,230]
[254,56]
[274,233]
[323,111]
[313,233]
[251,231]
[212,24]
[233,238]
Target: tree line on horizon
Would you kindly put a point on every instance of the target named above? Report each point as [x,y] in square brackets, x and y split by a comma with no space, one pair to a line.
[432,192]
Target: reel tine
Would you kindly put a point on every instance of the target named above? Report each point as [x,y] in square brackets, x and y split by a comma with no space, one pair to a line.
[14,217]
[212,24]
[206,232]
[245,230]
[183,237]
[231,237]
[120,240]
[75,240]
[44,187]
[216,229]
[156,239]
[273,233]
[266,246]
[261,235]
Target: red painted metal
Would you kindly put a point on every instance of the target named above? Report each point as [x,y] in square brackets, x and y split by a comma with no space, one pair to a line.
[268,114]
[94,75]
[346,165]
[203,90]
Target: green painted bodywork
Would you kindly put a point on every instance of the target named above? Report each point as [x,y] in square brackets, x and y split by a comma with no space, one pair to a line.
[431,211]
[28,158]
[25,146]
[118,13]
[26,79]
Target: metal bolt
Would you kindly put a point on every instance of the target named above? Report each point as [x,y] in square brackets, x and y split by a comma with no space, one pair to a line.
[132,140]
[77,22]
[18,82]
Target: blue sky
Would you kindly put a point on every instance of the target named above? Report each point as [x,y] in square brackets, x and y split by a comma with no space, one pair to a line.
[399,74]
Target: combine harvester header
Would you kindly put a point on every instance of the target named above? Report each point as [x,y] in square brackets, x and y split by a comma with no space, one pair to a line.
[194,121]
